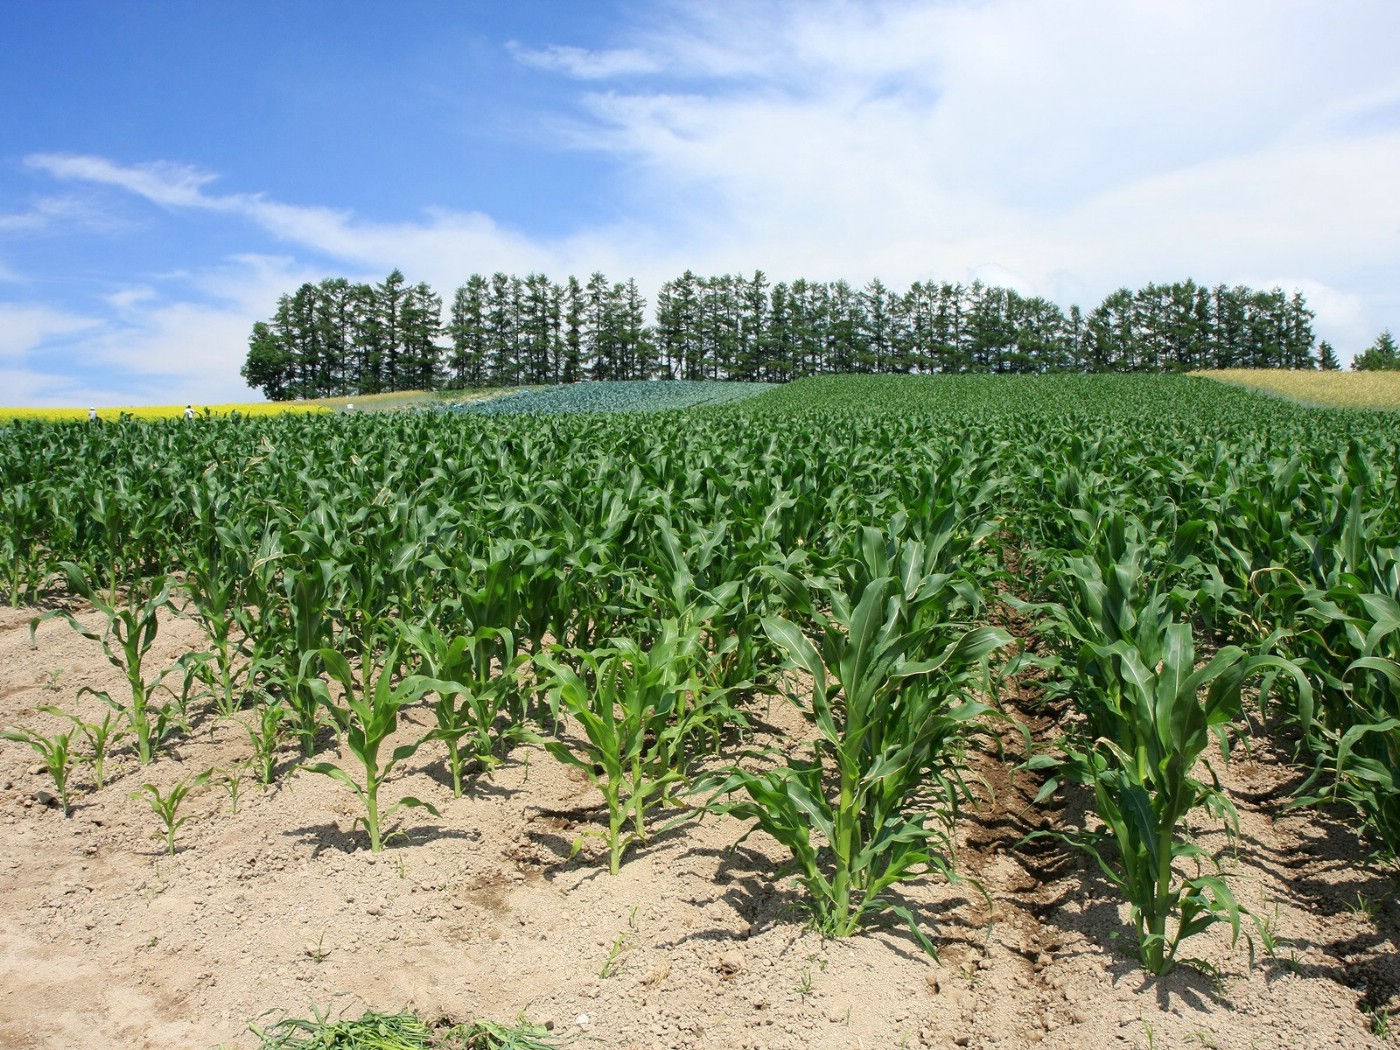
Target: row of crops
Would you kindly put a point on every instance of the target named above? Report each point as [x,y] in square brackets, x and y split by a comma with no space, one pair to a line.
[618,396]
[1181,560]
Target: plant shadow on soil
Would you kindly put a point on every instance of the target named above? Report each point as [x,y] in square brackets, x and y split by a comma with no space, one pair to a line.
[330,838]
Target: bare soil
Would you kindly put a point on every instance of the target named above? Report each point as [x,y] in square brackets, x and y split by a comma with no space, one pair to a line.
[281,909]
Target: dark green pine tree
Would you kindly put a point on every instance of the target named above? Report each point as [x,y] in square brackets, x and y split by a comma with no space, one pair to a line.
[336,321]
[539,324]
[751,350]
[949,352]
[636,354]
[874,334]
[468,331]
[298,327]
[367,340]
[420,362]
[389,301]
[572,369]
[781,347]
[1298,334]
[600,329]
[1380,356]
[503,331]
[1228,327]
[1327,357]
[675,324]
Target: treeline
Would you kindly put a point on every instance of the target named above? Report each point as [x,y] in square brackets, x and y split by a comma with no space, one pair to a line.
[337,338]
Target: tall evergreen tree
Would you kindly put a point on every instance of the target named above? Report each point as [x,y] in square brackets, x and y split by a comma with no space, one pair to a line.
[1380,356]
[1327,357]
[469,334]
[420,360]
[574,366]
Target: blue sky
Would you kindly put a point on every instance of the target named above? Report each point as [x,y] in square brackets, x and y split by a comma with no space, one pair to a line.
[168,169]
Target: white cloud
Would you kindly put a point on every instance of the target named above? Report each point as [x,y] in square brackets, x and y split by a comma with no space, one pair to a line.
[173,185]
[183,342]
[23,328]
[48,213]
[189,343]
[585,64]
[127,298]
[1077,147]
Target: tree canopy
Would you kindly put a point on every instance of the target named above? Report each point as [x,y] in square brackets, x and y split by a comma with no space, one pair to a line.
[336,338]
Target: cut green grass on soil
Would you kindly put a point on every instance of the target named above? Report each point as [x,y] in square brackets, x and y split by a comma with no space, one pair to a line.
[403,1031]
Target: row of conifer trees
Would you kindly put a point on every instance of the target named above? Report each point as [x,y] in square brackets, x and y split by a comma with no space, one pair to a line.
[340,338]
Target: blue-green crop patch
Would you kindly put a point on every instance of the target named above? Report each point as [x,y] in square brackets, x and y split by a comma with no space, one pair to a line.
[621,396]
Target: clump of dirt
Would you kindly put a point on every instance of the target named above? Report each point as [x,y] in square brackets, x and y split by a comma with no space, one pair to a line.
[483,912]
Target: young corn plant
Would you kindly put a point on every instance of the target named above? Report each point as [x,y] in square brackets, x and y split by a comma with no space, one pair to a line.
[639,711]
[217,564]
[891,704]
[1149,715]
[100,737]
[266,734]
[369,711]
[131,629]
[167,807]
[480,707]
[56,754]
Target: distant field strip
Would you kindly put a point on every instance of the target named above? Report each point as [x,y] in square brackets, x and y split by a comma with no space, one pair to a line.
[255,408]
[631,396]
[1319,389]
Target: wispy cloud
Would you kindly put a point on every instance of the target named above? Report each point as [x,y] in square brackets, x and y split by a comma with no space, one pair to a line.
[24,328]
[443,248]
[59,213]
[161,182]
[585,64]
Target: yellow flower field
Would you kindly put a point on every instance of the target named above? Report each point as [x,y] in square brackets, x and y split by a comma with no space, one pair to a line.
[254,408]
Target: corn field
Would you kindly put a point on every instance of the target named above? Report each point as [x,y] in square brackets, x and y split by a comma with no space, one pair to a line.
[1187,566]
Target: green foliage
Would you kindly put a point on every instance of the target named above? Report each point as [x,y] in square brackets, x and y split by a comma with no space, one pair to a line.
[167,807]
[480,708]
[1132,670]
[404,1031]
[1381,356]
[100,737]
[54,751]
[891,703]
[368,710]
[1257,523]
[131,628]
[642,712]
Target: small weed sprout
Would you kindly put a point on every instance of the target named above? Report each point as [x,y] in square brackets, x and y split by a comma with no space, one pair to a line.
[1363,907]
[613,963]
[804,982]
[1380,1023]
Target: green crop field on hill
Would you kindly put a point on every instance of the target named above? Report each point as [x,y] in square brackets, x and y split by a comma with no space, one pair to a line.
[618,586]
